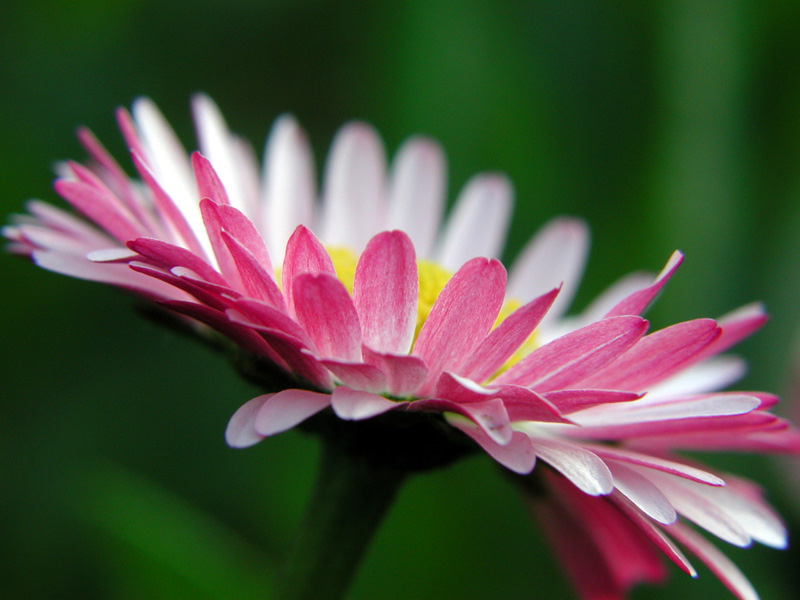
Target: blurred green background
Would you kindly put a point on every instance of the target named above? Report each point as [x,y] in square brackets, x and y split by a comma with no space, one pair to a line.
[672,124]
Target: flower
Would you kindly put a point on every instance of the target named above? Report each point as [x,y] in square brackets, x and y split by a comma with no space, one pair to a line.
[369,309]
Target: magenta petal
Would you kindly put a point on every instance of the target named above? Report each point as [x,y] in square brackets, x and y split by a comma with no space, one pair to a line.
[270,317]
[288,408]
[355,405]
[462,315]
[168,256]
[241,432]
[325,310]
[516,455]
[385,292]
[573,357]
[304,254]
[490,415]
[501,343]
[257,281]
[209,185]
[357,375]
[404,374]
[637,303]
[719,564]
[657,356]
[569,401]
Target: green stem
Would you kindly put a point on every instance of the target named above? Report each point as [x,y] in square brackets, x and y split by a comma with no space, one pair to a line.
[350,497]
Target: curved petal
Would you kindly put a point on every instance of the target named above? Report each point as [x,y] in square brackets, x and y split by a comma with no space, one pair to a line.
[355,405]
[583,468]
[241,431]
[304,254]
[288,408]
[517,455]
[643,493]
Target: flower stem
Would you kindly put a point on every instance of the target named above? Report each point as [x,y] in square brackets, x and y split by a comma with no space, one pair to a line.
[350,497]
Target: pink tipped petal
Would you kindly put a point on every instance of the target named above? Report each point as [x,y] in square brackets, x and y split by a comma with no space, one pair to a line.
[517,455]
[576,356]
[225,262]
[736,326]
[385,293]
[326,312]
[417,192]
[304,254]
[355,405]
[727,572]
[357,375]
[490,415]
[253,312]
[657,356]
[462,315]
[637,302]
[583,468]
[709,375]
[569,401]
[501,343]
[241,432]
[643,493]
[289,182]
[621,455]
[168,256]
[478,222]
[353,191]
[404,374]
[209,185]
[555,257]
[256,279]
[288,408]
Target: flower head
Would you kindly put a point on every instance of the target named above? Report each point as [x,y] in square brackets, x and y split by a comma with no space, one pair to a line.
[369,308]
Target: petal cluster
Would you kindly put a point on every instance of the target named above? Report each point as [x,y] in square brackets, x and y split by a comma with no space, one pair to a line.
[606,404]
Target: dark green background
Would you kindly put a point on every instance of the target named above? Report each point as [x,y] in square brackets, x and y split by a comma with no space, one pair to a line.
[672,124]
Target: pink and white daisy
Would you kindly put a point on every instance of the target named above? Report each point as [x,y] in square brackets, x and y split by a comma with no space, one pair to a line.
[370,308]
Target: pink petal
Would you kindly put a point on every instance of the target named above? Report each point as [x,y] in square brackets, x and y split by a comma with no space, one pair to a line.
[461,316]
[736,326]
[555,257]
[653,462]
[657,356]
[288,408]
[569,401]
[404,374]
[359,376]
[209,185]
[289,183]
[304,254]
[169,256]
[353,190]
[417,192]
[637,303]
[326,312]
[212,295]
[516,455]
[501,343]
[256,279]
[355,405]
[260,313]
[385,293]
[727,572]
[241,432]
[477,224]
[575,356]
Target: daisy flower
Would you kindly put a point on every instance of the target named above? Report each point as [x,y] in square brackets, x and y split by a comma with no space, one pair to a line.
[370,303]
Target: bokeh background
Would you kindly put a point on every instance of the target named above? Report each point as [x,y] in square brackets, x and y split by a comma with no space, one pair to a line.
[665,124]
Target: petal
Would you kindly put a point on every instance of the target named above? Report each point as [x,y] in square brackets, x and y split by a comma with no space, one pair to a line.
[241,432]
[326,312]
[490,415]
[353,191]
[712,374]
[404,374]
[555,257]
[209,185]
[417,192]
[355,405]
[637,302]
[304,254]
[575,356]
[583,468]
[505,339]
[256,279]
[569,401]
[289,184]
[657,356]
[461,316]
[360,376]
[386,291]
[168,256]
[643,493]
[517,455]
[288,408]
[477,224]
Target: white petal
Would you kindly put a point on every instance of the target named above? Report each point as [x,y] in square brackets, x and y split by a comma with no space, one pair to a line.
[241,432]
[710,375]
[478,223]
[643,493]
[582,467]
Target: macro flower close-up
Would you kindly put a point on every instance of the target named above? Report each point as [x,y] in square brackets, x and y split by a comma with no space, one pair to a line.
[397,336]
